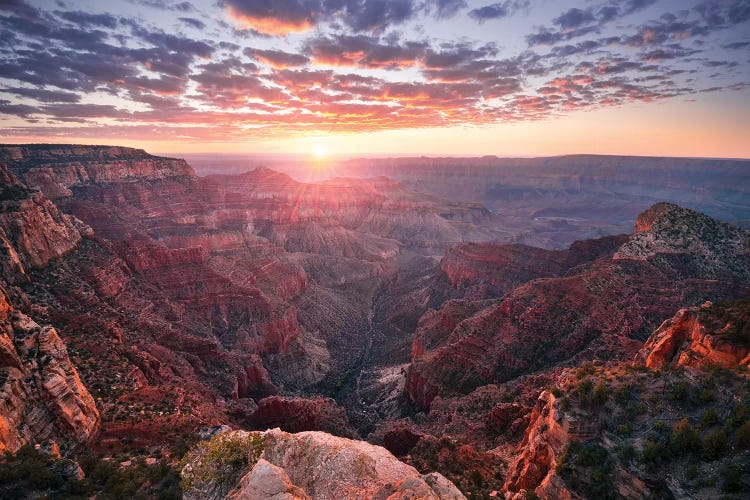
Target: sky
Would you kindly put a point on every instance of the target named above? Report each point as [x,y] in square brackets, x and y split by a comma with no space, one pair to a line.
[384,77]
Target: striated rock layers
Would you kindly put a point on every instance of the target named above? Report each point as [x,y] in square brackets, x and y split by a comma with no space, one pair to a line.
[290,466]
[54,169]
[32,229]
[41,395]
[604,308]
[712,335]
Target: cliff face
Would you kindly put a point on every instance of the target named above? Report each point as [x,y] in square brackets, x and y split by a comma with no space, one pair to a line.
[54,169]
[42,397]
[32,229]
[712,335]
[539,454]
[606,306]
[289,466]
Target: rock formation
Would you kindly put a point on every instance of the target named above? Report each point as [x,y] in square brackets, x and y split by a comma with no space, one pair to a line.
[289,466]
[41,397]
[711,335]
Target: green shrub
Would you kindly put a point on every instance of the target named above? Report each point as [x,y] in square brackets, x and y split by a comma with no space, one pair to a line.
[742,435]
[221,461]
[653,453]
[587,469]
[600,394]
[730,479]
[684,438]
[714,444]
[710,417]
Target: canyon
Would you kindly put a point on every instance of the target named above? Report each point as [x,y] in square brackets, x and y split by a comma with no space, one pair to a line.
[143,304]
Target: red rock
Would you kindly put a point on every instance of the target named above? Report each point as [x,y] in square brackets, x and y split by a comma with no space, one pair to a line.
[301,414]
[696,337]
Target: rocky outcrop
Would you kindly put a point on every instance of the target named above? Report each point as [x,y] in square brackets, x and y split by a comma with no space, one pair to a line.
[54,169]
[543,444]
[694,242]
[32,229]
[290,466]
[712,335]
[41,395]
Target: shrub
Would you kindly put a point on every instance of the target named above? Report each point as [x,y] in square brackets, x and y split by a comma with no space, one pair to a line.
[600,394]
[653,453]
[742,435]
[714,444]
[684,438]
[730,479]
[221,461]
[587,469]
[710,417]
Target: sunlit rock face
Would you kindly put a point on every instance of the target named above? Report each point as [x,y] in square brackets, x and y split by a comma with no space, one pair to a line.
[701,337]
[43,397]
[602,308]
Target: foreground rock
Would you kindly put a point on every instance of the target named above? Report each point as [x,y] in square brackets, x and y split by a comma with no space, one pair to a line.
[308,465]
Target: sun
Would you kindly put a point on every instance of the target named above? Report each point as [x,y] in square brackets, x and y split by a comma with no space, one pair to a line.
[319,151]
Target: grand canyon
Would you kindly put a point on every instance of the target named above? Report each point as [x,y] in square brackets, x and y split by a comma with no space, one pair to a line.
[367,249]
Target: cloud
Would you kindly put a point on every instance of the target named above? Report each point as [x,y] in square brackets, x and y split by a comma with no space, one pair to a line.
[277,58]
[193,22]
[574,18]
[281,17]
[443,9]
[577,22]
[364,51]
[145,80]
[498,10]
[85,19]
[43,95]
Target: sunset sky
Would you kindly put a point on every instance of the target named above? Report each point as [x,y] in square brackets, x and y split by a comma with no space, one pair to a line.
[436,77]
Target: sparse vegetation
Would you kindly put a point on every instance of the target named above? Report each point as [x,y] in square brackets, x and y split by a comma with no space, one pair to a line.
[588,470]
[221,461]
[30,473]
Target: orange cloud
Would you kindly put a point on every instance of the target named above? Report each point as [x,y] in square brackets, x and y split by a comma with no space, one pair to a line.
[269,25]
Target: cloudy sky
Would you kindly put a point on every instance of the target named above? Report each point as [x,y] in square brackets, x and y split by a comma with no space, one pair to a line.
[515,77]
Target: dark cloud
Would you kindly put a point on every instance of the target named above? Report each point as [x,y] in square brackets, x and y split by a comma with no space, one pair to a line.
[443,9]
[577,22]
[22,110]
[85,19]
[43,95]
[574,18]
[195,23]
[736,45]
[498,10]
[277,58]
[164,5]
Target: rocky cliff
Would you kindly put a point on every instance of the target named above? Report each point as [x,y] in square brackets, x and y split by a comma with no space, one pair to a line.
[711,335]
[41,395]
[32,229]
[275,464]
[54,169]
